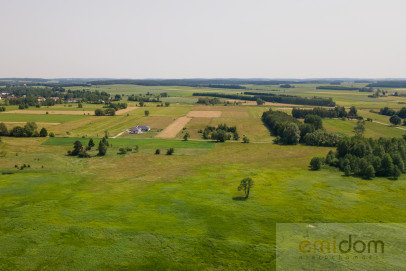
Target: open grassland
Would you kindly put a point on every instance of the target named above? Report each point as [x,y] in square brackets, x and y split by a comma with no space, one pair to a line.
[122,142]
[145,211]
[374,130]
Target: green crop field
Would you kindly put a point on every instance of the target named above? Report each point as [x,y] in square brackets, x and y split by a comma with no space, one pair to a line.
[147,211]
[38,118]
[121,142]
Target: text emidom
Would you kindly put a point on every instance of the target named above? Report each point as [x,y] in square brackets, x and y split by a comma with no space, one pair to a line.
[344,246]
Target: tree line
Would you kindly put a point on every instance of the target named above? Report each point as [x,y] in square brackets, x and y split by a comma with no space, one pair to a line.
[208,101]
[269,97]
[335,87]
[28,130]
[337,112]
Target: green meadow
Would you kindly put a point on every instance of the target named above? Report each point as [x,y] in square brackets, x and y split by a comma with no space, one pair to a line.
[6,117]
[144,211]
[122,142]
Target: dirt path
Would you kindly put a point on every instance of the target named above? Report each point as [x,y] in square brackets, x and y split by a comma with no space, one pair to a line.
[389,125]
[119,134]
[51,112]
[123,111]
[174,128]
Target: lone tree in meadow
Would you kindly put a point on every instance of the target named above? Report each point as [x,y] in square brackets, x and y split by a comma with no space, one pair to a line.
[146,112]
[43,132]
[359,128]
[99,112]
[91,143]
[3,129]
[395,120]
[102,148]
[353,112]
[77,148]
[316,163]
[246,184]
[260,101]
[170,151]
[186,136]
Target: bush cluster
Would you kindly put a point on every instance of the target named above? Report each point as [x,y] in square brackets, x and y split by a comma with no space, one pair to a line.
[221,133]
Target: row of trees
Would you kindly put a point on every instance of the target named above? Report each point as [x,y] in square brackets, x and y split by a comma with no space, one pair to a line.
[141,98]
[270,97]
[367,158]
[291,99]
[208,101]
[29,130]
[105,112]
[337,112]
[337,87]
[116,106]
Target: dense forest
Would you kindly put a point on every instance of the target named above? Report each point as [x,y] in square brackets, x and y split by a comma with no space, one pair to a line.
[288,130]
[367,158]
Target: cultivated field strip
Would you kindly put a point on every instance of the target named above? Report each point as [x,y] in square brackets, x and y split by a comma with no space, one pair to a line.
[174,128]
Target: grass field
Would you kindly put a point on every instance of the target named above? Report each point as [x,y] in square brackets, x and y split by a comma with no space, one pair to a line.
[142,211]
[120,142]
[121,213]
[39,118]
[374,130]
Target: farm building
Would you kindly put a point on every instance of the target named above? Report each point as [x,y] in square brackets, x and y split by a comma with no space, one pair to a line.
[139,129]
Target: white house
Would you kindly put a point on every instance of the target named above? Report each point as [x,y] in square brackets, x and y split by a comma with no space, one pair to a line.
[139,129]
